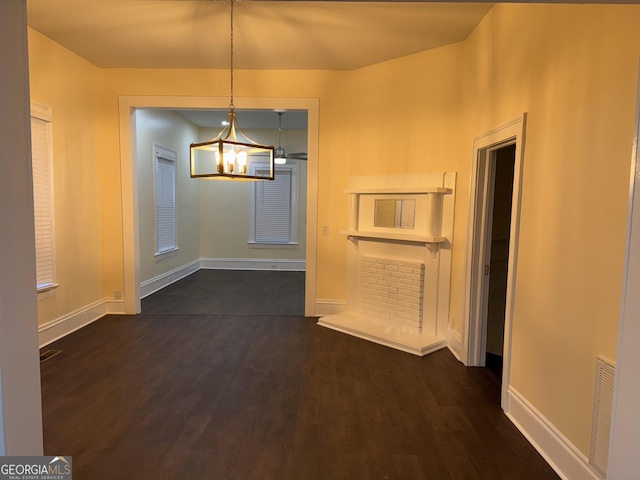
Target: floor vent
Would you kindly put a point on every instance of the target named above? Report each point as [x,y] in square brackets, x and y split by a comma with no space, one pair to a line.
[44,356]
[602,409]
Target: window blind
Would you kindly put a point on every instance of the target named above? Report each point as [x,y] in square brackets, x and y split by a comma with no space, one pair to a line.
[407,214]
[273,208]
[42,202]
[165,204]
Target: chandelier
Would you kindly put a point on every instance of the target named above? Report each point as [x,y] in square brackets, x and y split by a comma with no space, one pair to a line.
[232,154]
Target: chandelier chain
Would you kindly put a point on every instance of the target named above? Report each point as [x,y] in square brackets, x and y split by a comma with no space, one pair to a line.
[231,105]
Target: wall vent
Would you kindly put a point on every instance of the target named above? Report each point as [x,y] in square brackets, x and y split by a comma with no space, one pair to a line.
[602,409]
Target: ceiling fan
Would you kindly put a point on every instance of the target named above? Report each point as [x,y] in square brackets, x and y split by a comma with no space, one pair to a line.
[280,156]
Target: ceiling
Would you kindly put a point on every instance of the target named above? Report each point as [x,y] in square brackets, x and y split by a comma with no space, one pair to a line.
[248,119]
[326,35]
[280,34]
[323,35]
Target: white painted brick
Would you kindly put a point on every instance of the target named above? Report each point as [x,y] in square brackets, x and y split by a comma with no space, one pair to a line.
[408,303]
[391,292]
[411,300]
[410,289]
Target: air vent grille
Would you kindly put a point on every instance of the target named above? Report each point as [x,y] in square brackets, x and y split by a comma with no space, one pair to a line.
[602,409]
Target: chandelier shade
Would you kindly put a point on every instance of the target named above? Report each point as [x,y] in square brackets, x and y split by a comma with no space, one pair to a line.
[231,155]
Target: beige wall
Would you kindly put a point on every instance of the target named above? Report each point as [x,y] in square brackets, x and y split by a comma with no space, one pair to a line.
[168,130]
[224,218]
[71,86]
[571,68]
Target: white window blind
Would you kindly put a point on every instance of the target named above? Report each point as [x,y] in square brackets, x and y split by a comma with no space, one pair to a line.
[165,200]
[407,213]
[274,207]
[42,196]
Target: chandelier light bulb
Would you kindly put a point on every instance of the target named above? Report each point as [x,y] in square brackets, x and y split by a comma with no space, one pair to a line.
[241,157]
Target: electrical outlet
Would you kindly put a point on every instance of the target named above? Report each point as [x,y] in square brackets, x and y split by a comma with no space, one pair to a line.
[325,230]
[117,295]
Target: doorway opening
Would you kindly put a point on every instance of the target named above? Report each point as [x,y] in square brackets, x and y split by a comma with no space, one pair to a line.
[128,105]
[263,224]
[492,250]
[502,169]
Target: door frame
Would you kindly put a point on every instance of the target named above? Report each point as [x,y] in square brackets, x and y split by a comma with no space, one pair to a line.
[479,226]
[129,180]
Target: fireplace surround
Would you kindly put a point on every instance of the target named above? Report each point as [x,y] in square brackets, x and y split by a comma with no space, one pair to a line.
[398,277]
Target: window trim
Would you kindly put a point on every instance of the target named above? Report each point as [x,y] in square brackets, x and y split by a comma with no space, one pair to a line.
[293,208]
[163,153]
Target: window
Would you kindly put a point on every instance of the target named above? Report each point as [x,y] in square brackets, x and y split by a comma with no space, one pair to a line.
[165,168]
[42,197]
[274,208]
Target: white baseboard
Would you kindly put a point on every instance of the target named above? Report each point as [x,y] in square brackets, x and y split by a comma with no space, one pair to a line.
[114,306]
[326,307]
[253,264]
[454,343]
[154,284]
[568,462]
[63,326]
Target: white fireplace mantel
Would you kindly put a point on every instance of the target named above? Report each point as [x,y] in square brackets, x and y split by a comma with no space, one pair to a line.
[428,244]
[428,230]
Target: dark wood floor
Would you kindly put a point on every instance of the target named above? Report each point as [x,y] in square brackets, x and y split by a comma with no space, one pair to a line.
[221,396]
[232,292]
